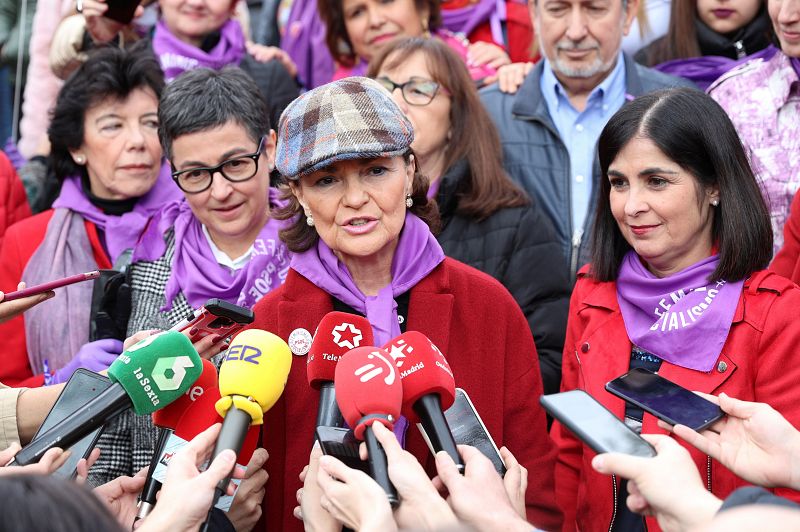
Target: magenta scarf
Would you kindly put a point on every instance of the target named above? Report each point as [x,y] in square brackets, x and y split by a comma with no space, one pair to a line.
[683,319]
[304,41]
[417,254]
[196,272]
[466,19]
[176,56]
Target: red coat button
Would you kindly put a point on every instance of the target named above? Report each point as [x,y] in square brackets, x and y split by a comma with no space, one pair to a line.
[585,347]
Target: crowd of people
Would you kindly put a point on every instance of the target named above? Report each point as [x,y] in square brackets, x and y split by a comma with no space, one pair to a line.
[554,192]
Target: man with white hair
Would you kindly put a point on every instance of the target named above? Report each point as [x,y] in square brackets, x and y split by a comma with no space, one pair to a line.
[549,128]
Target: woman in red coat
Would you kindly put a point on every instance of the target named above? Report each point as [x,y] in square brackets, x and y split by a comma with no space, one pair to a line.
[362,242]
[676,285]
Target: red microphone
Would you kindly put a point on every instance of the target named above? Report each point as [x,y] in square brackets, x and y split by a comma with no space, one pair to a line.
[337,333]
[428,388]
[167,419]
[368,391]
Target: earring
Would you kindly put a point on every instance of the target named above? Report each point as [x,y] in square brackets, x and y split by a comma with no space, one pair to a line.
[715,202]
[79,159]
[309,220]
[425,30]
[409,201]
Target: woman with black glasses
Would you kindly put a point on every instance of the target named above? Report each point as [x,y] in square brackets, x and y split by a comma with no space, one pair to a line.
[220,241]
[487,221]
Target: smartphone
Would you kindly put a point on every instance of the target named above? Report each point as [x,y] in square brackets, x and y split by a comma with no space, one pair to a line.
[342,444]
[594,424]
[468,429]
[216,317]
[121,10]
[39,288]
[82,387]
[665,399]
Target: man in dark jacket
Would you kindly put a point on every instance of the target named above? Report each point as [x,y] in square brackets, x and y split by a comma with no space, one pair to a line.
[549,129]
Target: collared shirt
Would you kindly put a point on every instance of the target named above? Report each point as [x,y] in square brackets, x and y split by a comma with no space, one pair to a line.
[579,130]
[762,99]
[223,259]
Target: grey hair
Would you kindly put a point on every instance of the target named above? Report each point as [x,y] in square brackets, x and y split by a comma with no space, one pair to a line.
[204,99]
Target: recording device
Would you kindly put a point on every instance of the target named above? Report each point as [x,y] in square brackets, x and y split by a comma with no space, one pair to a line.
[594,424]
[46,287]
[368,390]
[251,379]
[468,429]
[428,388]
[665,399]
[148,376]
[166,420]
[121,10]
[337,333]
[82,387]
[342,444]
[216,317]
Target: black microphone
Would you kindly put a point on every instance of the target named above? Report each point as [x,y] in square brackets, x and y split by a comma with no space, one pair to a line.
[142,377]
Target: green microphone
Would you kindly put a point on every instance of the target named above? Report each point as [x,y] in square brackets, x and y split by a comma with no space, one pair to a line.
[147,377]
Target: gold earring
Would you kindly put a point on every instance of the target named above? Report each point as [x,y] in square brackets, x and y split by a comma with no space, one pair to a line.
[425,30]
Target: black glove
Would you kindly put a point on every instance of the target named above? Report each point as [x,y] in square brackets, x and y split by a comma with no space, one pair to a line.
[114,310]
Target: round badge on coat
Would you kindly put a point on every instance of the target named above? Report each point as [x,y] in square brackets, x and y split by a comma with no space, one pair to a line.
[300,342]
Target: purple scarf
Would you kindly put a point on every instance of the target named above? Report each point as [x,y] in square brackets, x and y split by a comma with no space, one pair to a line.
[705,70]
[304,41]
[176,56]
[196,272]
[120,232]
[683,318]
[417,254]
[795,61]
[66,250]
[466,19]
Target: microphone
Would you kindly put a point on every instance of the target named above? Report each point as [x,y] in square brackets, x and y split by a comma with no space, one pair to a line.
[251,379]
[428,388]
[148,376]
[337,333]
[167,420]
[368,391]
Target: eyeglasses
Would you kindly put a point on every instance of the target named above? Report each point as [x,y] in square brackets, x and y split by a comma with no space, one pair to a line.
[237,169]
[415,91]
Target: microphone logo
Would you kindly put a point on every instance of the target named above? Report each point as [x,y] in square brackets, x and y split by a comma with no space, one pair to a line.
[367,372]
[176,367]
[347,335]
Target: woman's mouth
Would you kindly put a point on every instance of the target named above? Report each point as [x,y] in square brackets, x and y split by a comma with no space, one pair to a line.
[360,226]
[723,13]
[382,38]
[640,230]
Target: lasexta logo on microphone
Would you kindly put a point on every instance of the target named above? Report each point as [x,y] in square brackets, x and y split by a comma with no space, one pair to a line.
[347,335]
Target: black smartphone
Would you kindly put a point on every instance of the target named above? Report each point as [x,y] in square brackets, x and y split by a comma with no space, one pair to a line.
[342,444]
[594,424]
[216,317]
[82,387]
[468,429]
[665,399]
[121,10]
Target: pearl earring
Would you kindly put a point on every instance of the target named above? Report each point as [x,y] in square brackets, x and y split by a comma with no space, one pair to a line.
[310,220]
[79,159]
[409,201]
[715,202]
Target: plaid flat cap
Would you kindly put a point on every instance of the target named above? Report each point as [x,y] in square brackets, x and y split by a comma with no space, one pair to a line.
[352,118]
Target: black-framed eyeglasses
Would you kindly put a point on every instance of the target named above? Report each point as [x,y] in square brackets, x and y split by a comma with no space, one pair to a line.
[416,91]
[236,169]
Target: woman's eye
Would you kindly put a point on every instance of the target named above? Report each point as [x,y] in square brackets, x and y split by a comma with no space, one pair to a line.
[657,182]
[618,183]
[324,181]
[110,127]
[151,123]
[377,170]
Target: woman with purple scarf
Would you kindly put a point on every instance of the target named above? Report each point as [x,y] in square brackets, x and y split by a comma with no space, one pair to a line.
[106,154]
[360,228]
[676,286]
[219,241]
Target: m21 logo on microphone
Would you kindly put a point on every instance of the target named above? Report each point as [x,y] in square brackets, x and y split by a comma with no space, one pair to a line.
[245,353]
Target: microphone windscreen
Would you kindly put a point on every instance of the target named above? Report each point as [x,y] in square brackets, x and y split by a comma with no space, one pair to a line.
[169,416]
[423,370]
[256,366]
[157,370]
[202,414]
[337,333]
[367,383]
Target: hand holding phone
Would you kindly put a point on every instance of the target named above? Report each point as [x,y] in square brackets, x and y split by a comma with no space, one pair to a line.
[594,424]
[664,399]
[46,287]
[216,317]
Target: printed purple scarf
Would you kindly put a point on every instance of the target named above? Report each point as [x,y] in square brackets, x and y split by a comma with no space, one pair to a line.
[176,56]
[683,319]
[196,272]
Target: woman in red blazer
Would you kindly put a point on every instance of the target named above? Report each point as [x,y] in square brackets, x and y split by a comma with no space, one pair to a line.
[676,285]
[361,239]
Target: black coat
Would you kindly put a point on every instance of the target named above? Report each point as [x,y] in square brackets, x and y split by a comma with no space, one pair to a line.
[518,247]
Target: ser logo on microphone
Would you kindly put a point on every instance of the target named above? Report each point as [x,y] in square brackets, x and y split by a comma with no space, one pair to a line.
[245,353]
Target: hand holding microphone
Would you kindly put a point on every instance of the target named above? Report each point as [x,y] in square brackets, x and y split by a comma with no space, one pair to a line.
[95,356]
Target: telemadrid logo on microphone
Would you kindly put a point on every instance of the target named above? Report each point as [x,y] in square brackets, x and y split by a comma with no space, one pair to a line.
[347,335]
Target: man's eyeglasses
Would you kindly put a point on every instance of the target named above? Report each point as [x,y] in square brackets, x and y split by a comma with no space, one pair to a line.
[415,91]
[235,169]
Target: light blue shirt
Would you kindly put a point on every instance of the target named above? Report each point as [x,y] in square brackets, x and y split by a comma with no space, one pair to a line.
[580,130]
